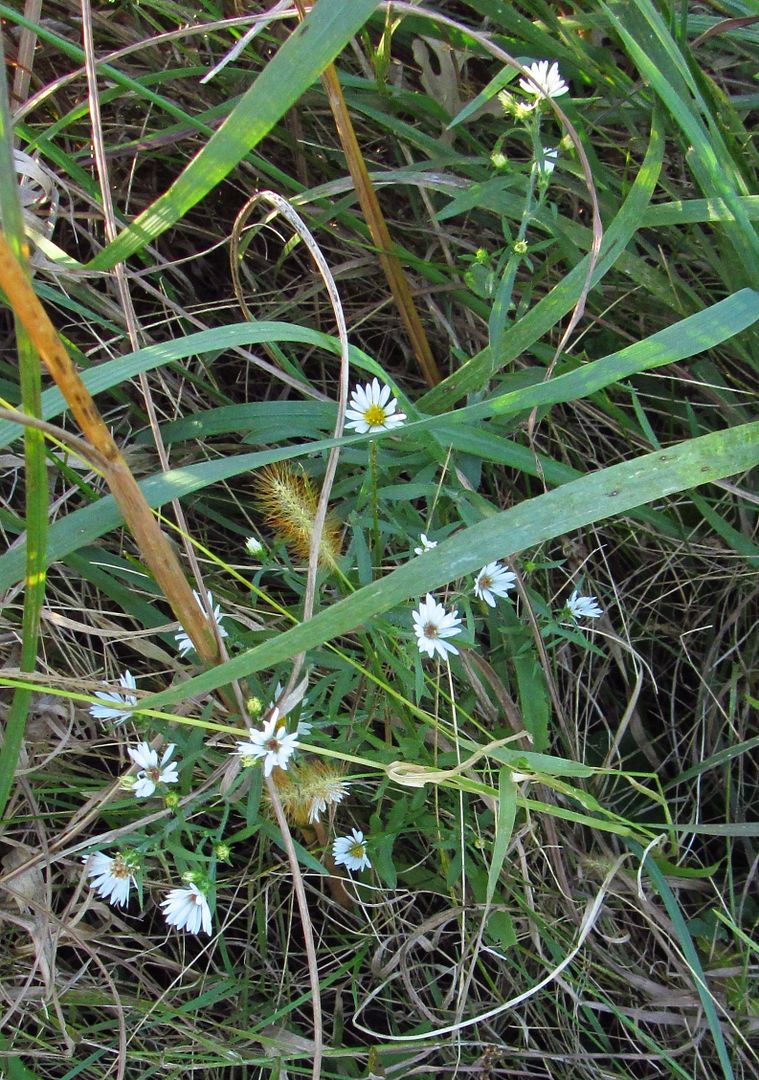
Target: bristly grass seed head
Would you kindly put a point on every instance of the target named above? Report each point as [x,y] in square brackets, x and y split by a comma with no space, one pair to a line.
[288,500]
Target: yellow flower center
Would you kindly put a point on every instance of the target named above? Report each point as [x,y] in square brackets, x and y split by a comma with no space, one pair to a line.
[357,850]
[485,581]
[375,415]
[119,869]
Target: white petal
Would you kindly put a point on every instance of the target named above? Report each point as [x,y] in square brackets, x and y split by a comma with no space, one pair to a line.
[144,787]
[143,755]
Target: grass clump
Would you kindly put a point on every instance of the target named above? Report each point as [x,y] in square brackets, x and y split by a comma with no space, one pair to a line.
[378,622]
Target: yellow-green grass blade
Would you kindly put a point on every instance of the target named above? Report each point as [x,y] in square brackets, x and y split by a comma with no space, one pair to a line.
[35,491]
[315,43]
[507,810]
[593,498]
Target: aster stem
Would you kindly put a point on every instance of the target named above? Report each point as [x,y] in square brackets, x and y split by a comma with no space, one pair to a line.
[376,553]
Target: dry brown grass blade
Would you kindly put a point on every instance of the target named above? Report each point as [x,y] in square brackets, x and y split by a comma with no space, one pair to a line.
[155,548]
[375,220]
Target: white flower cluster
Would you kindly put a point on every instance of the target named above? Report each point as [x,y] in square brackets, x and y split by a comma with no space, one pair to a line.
[433,625]
[116,707]
[583,607]
[152,772]
[113,876]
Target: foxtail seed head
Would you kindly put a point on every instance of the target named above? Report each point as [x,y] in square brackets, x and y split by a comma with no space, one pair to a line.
[289,500]
[308,791]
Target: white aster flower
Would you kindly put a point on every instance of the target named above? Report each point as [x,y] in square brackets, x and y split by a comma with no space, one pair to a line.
[427,545]
[548,162]
[372,409]
[274,744]
[545,81]
[111,878]
[350,851]
[182,638]
[152,771]
[110,710]
[493,580]
[253,547]
[583,607]
[187,909]
[432,625]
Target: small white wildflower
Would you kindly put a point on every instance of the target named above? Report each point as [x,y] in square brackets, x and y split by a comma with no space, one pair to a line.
[549,159]
[432,625]
[152,771]
[583,607]
[109,710]
[427,545]
[371,408]
[182,638]
[253,547]
[187,909]
[493,580]
[350,851]
[274,744]
[111,878]
[545,81]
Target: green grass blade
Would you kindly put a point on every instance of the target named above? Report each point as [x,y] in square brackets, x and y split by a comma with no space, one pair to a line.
[697,333]
[690,953]
[310,48]
[507,811]
[658,58]
[694,334]
[593,498]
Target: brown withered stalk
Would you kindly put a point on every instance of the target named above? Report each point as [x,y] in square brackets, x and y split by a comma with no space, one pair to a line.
[155,548]
[375,220]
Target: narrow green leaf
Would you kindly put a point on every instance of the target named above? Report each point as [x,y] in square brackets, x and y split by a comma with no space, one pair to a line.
[741,544]
[691,956]
[722,757]
[505,76]
[313,45]
[658,58]
[507,809]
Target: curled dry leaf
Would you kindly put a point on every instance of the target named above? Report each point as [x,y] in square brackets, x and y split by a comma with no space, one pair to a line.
[27,888]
